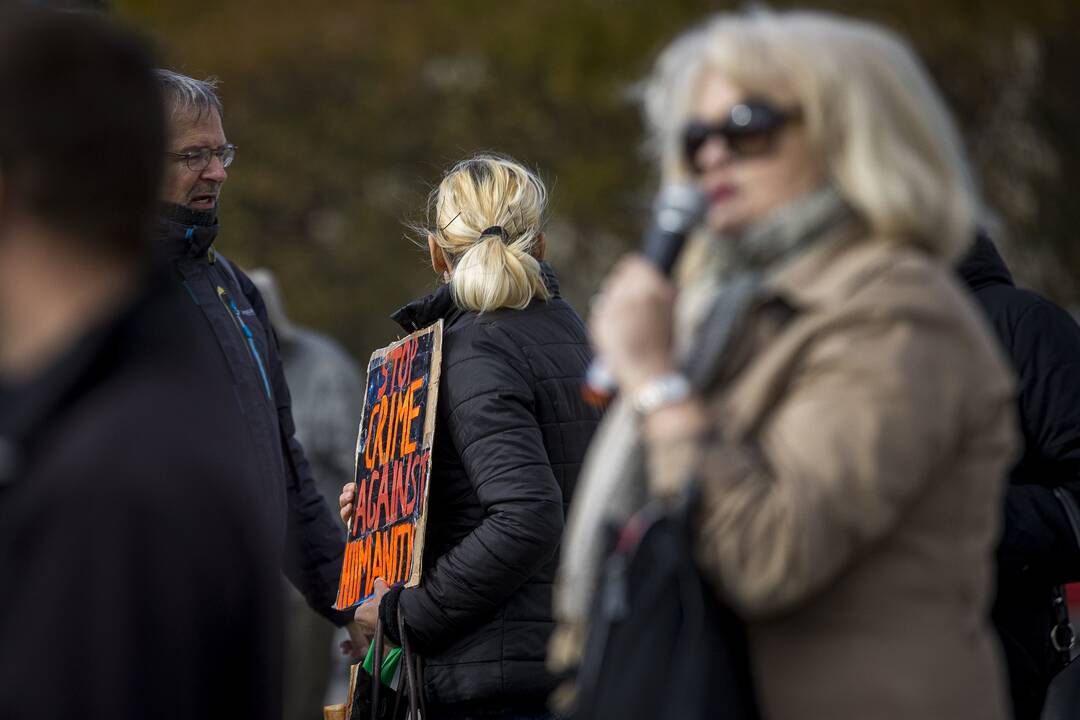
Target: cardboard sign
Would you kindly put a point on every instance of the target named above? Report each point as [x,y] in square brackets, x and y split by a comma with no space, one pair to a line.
[393,466]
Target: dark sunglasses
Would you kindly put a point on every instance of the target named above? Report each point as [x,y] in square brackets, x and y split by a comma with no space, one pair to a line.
[749,130]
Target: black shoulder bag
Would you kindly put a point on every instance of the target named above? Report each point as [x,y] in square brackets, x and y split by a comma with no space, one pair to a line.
[661,645]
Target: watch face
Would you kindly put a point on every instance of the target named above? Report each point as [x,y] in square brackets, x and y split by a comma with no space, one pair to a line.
[664,390]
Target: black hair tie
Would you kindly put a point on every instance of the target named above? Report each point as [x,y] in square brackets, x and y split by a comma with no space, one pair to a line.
[495,230]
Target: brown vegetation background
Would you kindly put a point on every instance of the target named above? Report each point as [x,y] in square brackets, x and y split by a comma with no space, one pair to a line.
[347,111]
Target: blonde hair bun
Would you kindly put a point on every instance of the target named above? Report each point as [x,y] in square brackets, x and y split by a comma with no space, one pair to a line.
[487,214]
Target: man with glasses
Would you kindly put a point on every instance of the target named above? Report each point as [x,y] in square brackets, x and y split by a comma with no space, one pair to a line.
[238,333]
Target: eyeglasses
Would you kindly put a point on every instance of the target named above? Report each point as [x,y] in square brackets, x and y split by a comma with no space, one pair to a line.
[749,130]
[198,160]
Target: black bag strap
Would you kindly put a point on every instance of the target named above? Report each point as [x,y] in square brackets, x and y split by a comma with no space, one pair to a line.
[1062,636]
[412,668]
[376,671]
[420,685]
[410,683]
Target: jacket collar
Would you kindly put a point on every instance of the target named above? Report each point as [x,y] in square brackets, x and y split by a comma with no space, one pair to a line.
[834,269]
[551,280]
[440,304]
[426,310]
[183,232]
[983,265]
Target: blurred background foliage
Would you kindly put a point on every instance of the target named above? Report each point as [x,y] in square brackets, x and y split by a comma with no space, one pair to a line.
[346,113]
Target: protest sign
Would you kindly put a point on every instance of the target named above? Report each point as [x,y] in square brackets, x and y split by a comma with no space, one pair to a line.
[393,466]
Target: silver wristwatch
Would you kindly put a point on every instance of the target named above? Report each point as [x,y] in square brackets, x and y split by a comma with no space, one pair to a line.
[666,389]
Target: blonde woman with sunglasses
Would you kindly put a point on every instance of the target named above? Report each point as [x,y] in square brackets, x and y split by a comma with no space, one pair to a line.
[825,383]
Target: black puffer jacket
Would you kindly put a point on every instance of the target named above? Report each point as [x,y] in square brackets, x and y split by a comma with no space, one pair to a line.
[1037,549]
[510,439]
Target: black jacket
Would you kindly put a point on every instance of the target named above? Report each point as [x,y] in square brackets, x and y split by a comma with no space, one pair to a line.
[1038,549]
[510,437]
[238,338]
[135,580]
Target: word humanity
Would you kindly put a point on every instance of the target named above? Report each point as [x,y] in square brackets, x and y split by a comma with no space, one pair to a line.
[393,463]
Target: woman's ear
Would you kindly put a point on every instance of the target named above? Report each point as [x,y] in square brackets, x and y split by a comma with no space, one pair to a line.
[438,257]
[540,247]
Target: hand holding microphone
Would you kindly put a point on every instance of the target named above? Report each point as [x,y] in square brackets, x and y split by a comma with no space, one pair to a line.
[631,327]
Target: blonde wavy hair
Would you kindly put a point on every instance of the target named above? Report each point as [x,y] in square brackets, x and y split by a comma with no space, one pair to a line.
[882,132]
[491,271]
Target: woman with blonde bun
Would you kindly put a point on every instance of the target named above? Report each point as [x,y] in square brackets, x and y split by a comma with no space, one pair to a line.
[511,435]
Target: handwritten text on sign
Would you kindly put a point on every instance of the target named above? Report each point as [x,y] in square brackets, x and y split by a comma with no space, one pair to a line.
[393,464]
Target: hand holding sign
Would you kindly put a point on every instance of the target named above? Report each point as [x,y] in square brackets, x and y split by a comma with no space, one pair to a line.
[367,615]
[345,500]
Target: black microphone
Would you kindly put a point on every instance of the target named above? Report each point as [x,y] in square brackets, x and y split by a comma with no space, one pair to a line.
[677,210]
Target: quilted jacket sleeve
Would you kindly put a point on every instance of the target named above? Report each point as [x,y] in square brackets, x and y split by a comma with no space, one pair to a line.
[487,402]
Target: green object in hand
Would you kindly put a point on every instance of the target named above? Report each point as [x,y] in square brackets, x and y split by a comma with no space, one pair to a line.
[391,663]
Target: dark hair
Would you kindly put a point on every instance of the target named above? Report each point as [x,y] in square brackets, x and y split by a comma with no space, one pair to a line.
[81,125]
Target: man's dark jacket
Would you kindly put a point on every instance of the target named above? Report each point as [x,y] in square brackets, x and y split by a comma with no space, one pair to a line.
[134,577]
[511,434]
[1038,549]
[237,336]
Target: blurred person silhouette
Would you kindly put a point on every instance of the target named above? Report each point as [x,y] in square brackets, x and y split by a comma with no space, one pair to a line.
[511,434]
[238,334]
[1038,551]
[134,580]
[826,384]
[327,400]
